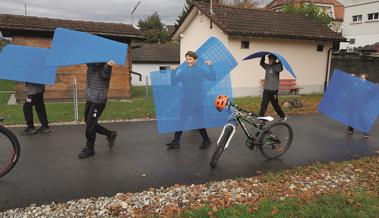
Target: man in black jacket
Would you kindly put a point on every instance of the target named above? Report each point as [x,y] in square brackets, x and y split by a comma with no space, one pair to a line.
[98,79]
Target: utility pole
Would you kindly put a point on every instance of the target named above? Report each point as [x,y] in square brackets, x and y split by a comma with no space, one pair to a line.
[134,9]
[26,14]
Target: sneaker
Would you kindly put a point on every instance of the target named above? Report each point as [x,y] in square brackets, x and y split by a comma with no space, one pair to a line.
[87,152]
[366,136]
[349,131]
[205,144]
[28,131]
[173,144]
[112,139]
[283,119]
[43,129]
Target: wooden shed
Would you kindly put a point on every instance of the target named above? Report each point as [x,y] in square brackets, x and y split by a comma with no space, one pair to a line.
[38,32]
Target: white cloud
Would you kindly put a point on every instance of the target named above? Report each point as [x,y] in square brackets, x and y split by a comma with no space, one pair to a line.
[105,10]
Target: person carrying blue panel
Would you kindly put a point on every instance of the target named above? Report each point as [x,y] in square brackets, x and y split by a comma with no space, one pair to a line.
[271,85]
[35,99]
[350,129]
[191,103]
[96,92]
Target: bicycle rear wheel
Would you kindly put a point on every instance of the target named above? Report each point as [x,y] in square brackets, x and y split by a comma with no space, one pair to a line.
[221,145]
[276,140]
[9,150]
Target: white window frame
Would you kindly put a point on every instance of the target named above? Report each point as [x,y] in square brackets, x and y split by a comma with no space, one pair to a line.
[357,21]
[373,16]
[322,6]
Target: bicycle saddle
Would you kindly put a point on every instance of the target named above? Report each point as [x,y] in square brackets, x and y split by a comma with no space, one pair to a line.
[267,118]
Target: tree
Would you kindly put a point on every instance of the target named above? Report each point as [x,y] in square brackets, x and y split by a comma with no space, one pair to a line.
[186,9]
[310,10]
[153,29]
[237,3]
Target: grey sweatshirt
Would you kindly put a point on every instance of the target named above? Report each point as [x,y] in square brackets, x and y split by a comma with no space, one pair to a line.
[98,79]
[272,75]
[34,88]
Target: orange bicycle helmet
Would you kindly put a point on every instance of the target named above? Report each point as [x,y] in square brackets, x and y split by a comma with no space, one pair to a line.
[221,101]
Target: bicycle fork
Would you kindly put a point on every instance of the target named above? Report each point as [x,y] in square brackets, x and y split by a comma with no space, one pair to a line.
[230,136]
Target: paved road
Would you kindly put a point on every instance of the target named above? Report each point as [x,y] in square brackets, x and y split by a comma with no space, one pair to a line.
[49,169]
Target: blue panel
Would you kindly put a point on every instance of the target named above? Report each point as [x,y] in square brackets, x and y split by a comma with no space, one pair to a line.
[184,98]
[72,47]
[26,64]
[285,63]
[351,101]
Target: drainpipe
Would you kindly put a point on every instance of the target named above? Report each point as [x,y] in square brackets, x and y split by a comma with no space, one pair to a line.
[327,67]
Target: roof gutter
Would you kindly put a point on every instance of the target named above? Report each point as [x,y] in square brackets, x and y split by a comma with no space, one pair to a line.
[52,30]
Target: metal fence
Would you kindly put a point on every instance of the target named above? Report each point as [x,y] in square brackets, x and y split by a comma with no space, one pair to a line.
[11,108]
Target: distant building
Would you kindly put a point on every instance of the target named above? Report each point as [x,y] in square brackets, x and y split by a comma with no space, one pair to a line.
[361,23]
[333,7]
[149,57]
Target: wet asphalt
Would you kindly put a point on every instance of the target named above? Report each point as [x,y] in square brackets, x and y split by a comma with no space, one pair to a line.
[49,169]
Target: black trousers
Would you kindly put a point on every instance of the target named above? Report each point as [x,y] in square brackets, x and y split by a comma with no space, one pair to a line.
[270,96]
[35,100]
[203,133]
[92,114]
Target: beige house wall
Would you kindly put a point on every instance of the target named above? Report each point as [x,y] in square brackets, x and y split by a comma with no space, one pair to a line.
[197,32]
[308,64]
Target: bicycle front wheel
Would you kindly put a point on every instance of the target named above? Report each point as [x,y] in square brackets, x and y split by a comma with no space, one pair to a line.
[276,140]
[9,150]
[221,145]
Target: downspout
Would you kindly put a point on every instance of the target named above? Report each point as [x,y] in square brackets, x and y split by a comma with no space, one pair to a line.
[327,67]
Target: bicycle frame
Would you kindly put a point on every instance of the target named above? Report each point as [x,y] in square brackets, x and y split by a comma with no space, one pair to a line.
[238,116]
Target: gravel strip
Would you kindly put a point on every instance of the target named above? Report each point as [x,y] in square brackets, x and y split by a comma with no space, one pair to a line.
[167,202]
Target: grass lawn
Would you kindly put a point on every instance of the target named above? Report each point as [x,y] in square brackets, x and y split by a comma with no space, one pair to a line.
[358,204]
[6,85]
[135,108]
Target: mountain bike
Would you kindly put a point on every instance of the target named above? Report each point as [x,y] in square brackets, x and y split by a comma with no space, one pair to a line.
[9,150]
[271,138]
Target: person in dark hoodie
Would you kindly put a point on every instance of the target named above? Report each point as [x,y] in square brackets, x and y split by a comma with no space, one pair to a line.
[271,86]
[96,92]
[35,99]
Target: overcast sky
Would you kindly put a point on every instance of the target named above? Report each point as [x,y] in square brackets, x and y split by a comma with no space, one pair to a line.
[95,10]
[118,11]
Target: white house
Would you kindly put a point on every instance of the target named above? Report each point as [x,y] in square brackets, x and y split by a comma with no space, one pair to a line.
[361,23]
[149,57]
[305,43]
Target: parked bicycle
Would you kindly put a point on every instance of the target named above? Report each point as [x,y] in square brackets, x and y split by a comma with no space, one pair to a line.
[9,150]
[271,138]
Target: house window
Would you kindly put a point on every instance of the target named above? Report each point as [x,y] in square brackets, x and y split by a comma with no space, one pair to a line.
[245,44]
[373,16]
[357,18]
[351,41]
[164,67]
[320,47]
[328,9]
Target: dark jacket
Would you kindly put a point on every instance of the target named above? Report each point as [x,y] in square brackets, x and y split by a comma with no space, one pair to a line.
[272,75]
[34,88]
[98,79]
